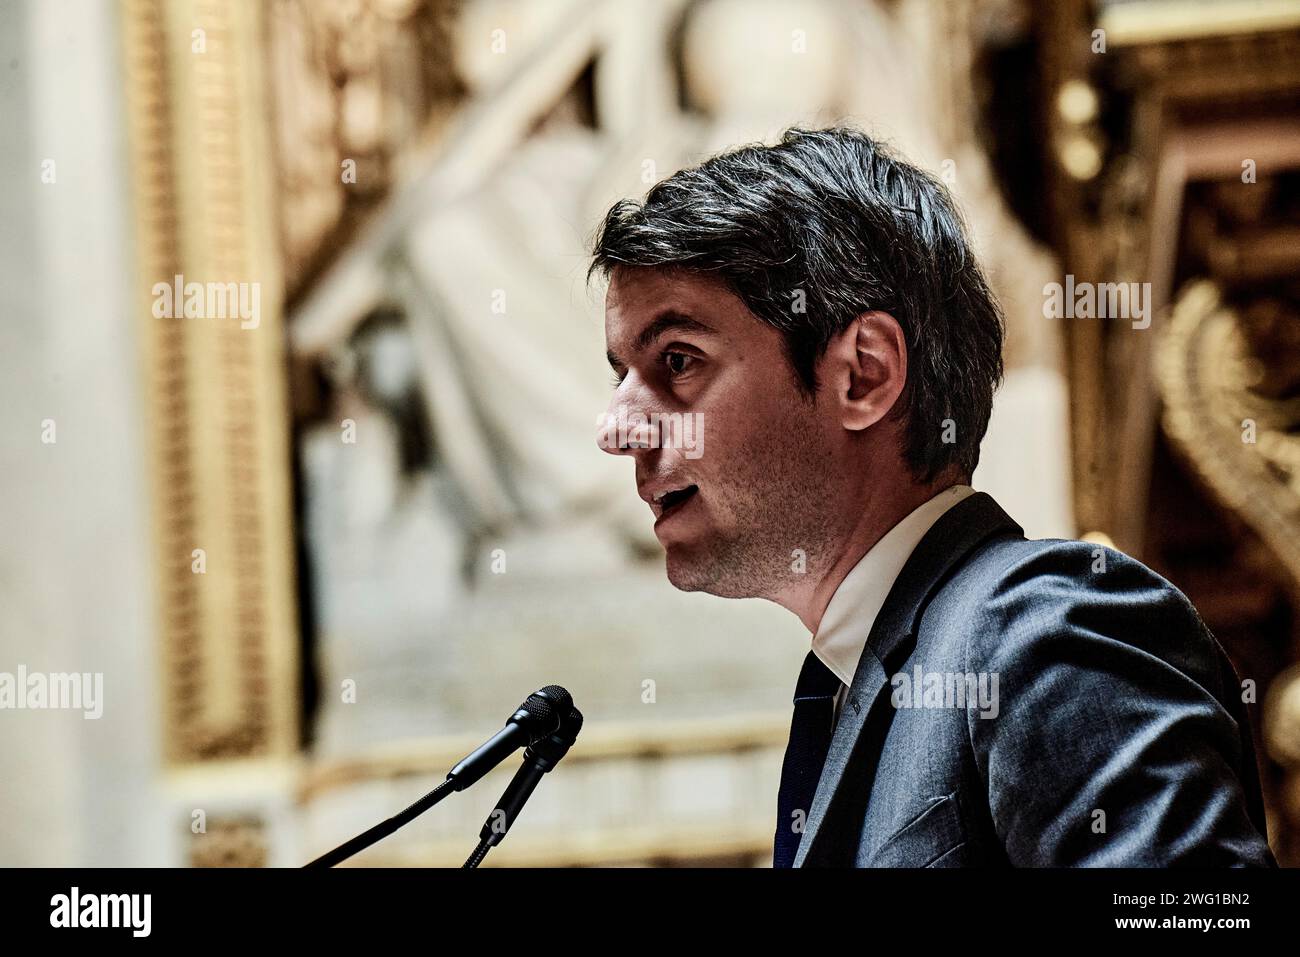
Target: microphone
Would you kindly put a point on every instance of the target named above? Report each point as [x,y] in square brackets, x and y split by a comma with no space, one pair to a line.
[534,720]
[540,758]
[538,717]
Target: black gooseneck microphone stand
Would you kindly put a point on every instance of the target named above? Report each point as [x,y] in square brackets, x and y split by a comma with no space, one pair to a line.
[538,718]
[538,759]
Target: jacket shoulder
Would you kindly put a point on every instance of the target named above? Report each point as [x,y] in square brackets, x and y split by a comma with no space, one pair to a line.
[1022,593]
[1115,700]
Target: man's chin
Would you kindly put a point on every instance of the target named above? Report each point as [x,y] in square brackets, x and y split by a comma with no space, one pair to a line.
[684,576]
[706,574]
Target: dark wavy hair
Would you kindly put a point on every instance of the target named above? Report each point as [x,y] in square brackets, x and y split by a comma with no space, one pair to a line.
[815,230]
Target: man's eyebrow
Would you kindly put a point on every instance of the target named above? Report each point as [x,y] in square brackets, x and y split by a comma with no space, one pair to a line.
[668,321]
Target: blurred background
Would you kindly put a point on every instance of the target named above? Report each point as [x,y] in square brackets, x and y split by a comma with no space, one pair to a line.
[320,546]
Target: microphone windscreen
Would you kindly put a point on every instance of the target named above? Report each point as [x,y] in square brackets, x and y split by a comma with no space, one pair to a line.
[539,709]
[558,697]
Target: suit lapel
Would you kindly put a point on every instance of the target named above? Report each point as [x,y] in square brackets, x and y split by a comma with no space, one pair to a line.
[866,713]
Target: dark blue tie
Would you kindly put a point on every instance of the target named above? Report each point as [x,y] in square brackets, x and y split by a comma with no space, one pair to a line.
[810,740]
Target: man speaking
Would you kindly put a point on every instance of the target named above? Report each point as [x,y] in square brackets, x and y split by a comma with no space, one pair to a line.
[971,698]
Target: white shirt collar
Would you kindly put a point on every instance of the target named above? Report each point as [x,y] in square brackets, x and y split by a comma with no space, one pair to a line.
[845,625]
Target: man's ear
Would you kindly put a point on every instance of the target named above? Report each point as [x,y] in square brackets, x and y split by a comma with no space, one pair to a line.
[866,366]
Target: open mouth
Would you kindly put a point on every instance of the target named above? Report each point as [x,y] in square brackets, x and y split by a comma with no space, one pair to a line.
[672,501]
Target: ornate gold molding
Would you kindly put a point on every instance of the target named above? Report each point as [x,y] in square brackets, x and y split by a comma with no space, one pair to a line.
[1131,23]
[214,387]
[359,90]
[230,842]
[1241,443]
[1245,448]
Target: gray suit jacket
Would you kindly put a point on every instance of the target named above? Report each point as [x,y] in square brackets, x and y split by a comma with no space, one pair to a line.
[1115,734]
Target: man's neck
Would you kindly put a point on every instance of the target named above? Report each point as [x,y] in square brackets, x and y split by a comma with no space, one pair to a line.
[878,516]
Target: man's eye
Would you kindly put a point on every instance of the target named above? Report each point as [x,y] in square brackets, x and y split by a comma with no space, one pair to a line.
[678,362]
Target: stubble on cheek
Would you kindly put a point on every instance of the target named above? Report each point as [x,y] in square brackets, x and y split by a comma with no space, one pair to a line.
[771,513]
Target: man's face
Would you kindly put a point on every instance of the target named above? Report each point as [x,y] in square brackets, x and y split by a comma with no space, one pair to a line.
[760,505]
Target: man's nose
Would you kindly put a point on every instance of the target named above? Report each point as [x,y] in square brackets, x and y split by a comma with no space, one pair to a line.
[622,429]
